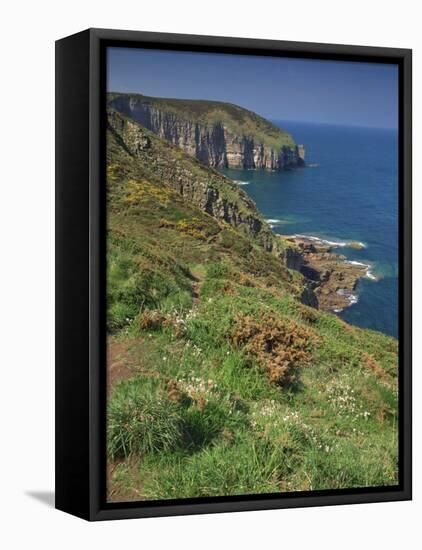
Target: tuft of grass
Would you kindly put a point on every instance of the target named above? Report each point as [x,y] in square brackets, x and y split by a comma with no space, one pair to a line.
[244,466]
[218,270]
[139,422]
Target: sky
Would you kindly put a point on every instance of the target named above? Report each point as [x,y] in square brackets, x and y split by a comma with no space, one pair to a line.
[316,91]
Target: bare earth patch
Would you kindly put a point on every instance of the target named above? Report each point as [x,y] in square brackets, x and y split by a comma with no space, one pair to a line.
[117,364]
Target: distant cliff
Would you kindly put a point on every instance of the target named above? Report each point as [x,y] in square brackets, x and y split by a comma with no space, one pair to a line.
[220,135]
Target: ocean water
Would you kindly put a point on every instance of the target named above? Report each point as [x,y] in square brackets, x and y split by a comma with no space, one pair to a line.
[347,192]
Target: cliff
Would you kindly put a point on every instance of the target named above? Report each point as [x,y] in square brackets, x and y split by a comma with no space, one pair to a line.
[205,188]
[220,135]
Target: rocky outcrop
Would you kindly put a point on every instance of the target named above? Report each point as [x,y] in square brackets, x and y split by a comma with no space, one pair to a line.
[330,276]
[292,258]
[232,138]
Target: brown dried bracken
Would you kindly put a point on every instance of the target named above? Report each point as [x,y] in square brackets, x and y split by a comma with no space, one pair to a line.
[154,320]
[173,391]
[308,314]
[371,364]
[244,280]
[280,347]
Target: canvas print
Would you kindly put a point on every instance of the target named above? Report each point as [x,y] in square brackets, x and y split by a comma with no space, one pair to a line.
[252,275]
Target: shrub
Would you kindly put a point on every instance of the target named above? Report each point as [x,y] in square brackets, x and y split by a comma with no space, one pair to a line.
[231,239]
[218,270]
[179,300]
[216,287]
[154,320]
[308,314]
[279,346]
[139,423]
[157,320]
[244,280]
[373,366]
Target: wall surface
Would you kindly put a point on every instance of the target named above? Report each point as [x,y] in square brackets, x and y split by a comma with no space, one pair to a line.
[27,273]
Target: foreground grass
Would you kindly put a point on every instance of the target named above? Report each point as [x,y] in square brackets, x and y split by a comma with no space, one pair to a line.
[202,418]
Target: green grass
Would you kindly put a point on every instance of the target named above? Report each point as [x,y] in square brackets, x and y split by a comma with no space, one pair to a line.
[198,414]
[246,435]
[140,421]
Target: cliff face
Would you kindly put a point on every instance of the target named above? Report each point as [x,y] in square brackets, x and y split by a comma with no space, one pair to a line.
[205,188]
[217,134]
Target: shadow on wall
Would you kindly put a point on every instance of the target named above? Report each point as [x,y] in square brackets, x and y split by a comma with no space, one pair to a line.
[45,497]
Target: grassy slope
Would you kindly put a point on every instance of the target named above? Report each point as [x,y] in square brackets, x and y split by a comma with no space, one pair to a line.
[237,120]
[199,316]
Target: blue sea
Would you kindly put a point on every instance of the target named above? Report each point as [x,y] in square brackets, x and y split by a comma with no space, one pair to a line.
[348,191]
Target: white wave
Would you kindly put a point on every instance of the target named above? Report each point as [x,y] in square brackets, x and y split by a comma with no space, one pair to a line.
[370,275]
[346,244]
[352,298]
[320,241]
[342,292]
[368,267]
[354,262]
[239,182]
[272,222]
[334,244]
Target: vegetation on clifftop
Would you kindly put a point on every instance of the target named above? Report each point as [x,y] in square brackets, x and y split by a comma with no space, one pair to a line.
[238,120]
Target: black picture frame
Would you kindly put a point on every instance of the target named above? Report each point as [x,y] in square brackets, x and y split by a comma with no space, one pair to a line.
[80,273]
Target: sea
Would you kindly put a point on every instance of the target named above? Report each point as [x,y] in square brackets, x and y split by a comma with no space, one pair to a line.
[348,191]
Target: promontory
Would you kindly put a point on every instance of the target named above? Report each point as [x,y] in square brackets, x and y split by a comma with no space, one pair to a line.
[218,134]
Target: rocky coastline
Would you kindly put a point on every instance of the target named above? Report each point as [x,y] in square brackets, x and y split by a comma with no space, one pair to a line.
[330,279]
[330,275]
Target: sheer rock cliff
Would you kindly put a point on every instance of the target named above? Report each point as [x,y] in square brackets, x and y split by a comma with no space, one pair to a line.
[219,135]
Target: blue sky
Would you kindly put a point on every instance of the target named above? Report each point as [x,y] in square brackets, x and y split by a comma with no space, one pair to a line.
[331,92]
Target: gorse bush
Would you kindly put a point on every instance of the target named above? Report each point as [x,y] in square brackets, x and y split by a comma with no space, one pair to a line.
[279,346]
[138,423]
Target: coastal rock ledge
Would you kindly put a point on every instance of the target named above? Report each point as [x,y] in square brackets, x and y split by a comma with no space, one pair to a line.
[331,276]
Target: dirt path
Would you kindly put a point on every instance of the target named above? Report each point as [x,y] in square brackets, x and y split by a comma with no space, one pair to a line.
[117,364]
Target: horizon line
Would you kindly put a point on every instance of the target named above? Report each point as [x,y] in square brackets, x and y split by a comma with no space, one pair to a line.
[342,124]
[270,118]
